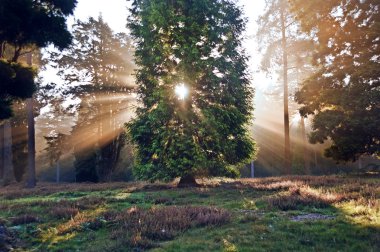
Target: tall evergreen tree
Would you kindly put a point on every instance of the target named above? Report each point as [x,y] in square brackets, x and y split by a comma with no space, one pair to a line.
[286,50]
[344,92]
[192,48]
[273,32]
[99,63]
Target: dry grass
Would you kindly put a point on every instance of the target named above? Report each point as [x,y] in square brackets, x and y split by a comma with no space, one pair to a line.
[297,197]
[24,219]
[140,228]
[68,214]
[63,212]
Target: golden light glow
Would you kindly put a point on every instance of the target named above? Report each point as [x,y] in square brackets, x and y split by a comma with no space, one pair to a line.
[181,91]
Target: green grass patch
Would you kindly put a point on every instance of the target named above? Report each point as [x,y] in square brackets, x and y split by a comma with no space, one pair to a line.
[274,214]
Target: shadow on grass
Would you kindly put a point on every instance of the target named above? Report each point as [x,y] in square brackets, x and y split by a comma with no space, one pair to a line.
[262,216]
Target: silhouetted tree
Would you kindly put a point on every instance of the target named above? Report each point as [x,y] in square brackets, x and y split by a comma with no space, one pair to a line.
[26,23]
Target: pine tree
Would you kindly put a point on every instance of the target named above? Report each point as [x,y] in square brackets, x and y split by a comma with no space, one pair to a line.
[343,93]
[287,51]
[99,63]
[194,47]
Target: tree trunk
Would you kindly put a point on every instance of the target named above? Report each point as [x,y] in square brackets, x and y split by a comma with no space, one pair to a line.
[58,171]
[252,169]
[287,157]
[31,182]
[305,149]
[315,159]
[187,181]
[360,163]
[2,49]
[8,176]
[1,152]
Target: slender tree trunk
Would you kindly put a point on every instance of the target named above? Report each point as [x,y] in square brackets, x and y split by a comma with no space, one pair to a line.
[305,149]
[58,171]
[1,152]
[31,182]
[287,156]
[360,163]
[315,159]
[2,48]
[8,176]
[252,169]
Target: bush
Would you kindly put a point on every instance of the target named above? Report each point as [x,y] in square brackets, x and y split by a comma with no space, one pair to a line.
[24,219]
[299,197]
[64,212]
[138,226]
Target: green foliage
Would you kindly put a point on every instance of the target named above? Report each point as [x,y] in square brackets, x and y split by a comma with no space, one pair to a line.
[344,92]
[85,165]
[97,68]
[25,24]
[98,57]
[38,22]
[17,81]
[198,44]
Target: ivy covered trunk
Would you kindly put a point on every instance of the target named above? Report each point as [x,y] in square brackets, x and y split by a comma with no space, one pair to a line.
[194,88]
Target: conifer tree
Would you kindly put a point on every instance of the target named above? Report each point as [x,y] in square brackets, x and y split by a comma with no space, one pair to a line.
[99,63]
[194,89]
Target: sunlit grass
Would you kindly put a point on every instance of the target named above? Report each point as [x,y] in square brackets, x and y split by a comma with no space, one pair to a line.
[91,216]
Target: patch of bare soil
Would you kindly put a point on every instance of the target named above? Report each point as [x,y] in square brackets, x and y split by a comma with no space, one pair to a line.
[311,217]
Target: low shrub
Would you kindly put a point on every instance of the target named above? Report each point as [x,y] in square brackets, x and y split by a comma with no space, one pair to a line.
[24,219]
[163,200]
[299,197]
[138,226]
[63,212]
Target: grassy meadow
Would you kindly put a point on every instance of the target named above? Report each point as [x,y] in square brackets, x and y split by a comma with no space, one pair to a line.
[272,214]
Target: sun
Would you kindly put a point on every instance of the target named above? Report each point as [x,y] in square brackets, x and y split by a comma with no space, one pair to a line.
[181,91]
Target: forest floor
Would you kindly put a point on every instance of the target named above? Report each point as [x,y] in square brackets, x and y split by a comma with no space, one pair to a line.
[330,213]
